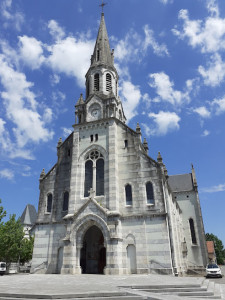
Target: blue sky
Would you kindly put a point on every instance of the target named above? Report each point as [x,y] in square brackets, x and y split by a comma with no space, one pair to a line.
[170,55]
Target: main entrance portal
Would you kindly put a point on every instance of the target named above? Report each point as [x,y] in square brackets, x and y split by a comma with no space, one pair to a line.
[93,253]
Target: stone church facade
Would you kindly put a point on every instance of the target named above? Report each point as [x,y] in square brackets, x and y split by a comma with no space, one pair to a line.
[106,206]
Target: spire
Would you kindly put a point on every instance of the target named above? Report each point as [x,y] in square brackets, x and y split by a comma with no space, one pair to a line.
[102,53]
[80,100]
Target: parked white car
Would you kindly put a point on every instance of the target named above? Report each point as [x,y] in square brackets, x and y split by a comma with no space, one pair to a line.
[2,268]
[213,270]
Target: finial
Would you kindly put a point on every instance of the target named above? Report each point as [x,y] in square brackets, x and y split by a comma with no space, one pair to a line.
[59,142]
[159,158]
[165,171]
[145,144]
[42,175]
[80,100]
[138,128]
[194,177]
[102,5]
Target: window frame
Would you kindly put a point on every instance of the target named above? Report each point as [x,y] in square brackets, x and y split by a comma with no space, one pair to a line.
[47,203]
[128,203]
[192,231]
[96,82]
[66,192]
[153,193]
[108,80]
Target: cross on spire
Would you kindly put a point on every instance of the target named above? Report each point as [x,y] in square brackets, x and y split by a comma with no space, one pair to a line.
[102,5]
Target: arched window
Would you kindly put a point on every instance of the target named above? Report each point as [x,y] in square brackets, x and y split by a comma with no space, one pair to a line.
[88,177]
[96,82]
[65,201]
[128,192]
[192,229]
[108,82]
[49,203]
[94,173]
[150,193]
[100,177]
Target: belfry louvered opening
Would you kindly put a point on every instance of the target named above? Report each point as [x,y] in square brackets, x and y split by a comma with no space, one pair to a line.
[96,82]
[108,82]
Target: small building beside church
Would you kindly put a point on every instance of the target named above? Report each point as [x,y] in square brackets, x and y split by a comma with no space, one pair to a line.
[106,206]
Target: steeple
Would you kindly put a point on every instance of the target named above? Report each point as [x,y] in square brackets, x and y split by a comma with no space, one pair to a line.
[102,53]
[102,100]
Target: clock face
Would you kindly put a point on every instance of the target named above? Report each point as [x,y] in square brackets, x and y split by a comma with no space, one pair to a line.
[95,113]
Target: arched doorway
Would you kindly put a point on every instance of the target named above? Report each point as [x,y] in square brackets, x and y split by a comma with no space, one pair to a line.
[93,253]
[131,259]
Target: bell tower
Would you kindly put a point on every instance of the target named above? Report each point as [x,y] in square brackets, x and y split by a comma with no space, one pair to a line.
[102,100]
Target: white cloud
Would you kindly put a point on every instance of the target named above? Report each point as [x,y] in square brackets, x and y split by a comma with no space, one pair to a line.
[66,131]
[218,105]
[215,73]
[54,79]
[206,133]
[165,89]
[31,51]
[202,111]
[72,57]
[214,189]
[55,30]
[133,47]
[131,97]
[158,49]
[212,7]
[7,173]
[209,35]
[164,122]
[166,1]
[11,20]
[21,107]
[47,116]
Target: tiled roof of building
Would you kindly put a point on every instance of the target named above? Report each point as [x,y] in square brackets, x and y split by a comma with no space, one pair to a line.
[29,215]
[181,183]
[210,246]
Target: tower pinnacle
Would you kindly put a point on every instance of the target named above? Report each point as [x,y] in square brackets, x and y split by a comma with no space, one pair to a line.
[102,5]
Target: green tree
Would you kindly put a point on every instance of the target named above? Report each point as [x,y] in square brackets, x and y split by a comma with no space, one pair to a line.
[26,249]
[2,212]
[11,240]
[219,248]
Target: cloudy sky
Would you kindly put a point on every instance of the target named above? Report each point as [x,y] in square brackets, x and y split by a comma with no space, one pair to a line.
[170,55]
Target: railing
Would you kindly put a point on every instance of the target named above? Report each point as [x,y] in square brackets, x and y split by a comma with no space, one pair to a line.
[198,270]
[158,267]
[43,265]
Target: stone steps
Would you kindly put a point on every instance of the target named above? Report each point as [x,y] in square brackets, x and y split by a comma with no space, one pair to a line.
[84,296]
[206,290]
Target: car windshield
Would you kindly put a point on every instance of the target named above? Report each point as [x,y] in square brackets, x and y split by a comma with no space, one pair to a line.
[213,266]
[3,265]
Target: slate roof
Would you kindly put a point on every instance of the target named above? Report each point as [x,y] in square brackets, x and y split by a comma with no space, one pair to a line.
[29,215]
[102,45]
[181,183]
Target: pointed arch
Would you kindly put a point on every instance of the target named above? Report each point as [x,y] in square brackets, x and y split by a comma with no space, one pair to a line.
[65,201]
[128,194]
[96,82]
[108,82]
[192,230]
[49,203]
[149,193]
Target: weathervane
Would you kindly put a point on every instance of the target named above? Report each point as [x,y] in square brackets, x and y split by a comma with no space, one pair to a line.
[102,5]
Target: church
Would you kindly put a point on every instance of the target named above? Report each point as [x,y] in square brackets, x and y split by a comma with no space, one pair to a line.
[106,206]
